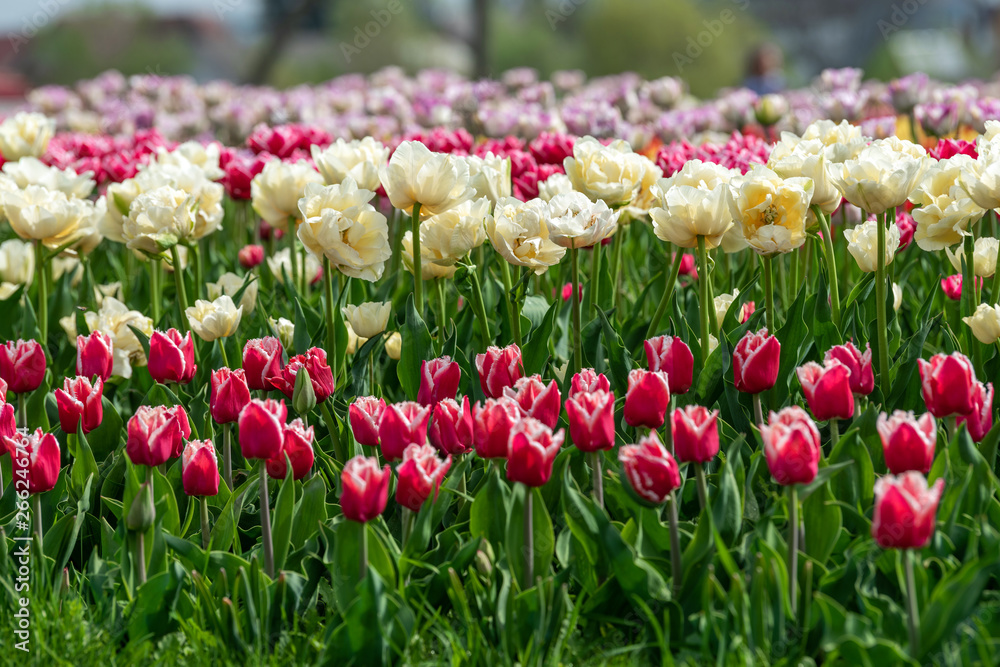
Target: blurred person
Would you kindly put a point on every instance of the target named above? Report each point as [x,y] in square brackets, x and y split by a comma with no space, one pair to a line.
[765,66]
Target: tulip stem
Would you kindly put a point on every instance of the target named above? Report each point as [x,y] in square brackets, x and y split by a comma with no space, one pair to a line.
[699,471]
[418,272]
[707,309]
[512,310]
[292,259]
[206,533]
[677,571]
[595,280]
[831,265]
[480,309]
[37,502]
[668,292]
[912,618]
[529,538]
[442,312]
[227,455]
[43,291]
[595,471]
[331,330]
[668,430]
[969,299]
[265,521]
[793,545]
[182,300]
[834,432]
[768,293]
[574,263]
[407,521]
[154,289]
[140,555]
[22,411]
[758,413]
[364,550]
[995,289]
[883,334]
[222,348]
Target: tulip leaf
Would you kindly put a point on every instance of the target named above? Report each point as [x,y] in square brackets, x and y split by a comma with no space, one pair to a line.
[823,521]
[536,349]
[415,348]
[142,338]
[84,465]
[301,338]
[822,476]
[310,511]
[619,362]
[488,514]
[543,537]
[954,599]
[281,521]
[106,438]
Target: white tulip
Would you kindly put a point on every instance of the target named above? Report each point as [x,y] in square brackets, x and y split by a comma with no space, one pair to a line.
[368,319]
[862,242]
[577,222]
[359,160]
[214,319]
[436,181]
[611,173]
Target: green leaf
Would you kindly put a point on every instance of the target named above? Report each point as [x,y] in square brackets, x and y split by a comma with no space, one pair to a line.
[310,511]
[823,521]
[301,338]
[281,522]
[543,537]
[84,465]
[953,600]
[536,350]
[415,348]
[488,513]
[620,363]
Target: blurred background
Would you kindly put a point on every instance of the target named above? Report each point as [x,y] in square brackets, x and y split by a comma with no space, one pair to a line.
[765,44]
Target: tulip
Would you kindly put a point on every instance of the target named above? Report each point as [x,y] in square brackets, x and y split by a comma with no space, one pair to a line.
[647,398]
[908,442]
[791,446]
[22,365]
[905,509]
[587,381]
[984,256]
[862,377]
[155,434]
[492,423]
[298,447]
[262,425]
[439,380]
[369,319]
[200,468]
[695,434]
[537,399]
[232,284]
[262,362]
[592,420]
[532,450]
[499,368]
[365,489]
[276,190]
[520,233]
[35,458]
[685,213]
[394,346]
[115,319]
[827,389]
[755,362]
[359,159]
[250,256]
[435,181]
[980,420]
[229,395]
[451,427]
[402,424]
[214,319]
[772,210]
[171,357]
[419,475]
[650,469]
[610,173]
[577,222]
[25,134]
[985,323]
[672,356]
[94,355]
[320,374]
[952,287]
[948,384]
[862,243]
[79,404]
[365,414]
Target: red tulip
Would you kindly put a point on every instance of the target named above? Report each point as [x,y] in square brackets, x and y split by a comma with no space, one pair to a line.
[746,310]
[647,398]
[755,362]
[95,355]
[200,468]
[22,365]
[177,413]
[948,384]
[492,422]
[537,399]
[364,414]
[533,449]
[672,356]
[688,266]
[980,420]
[171,357]
[402,424]
[364,489]
[35,458]
[862,377]
[439,380]
[908,442]
[155,434]
[588,380]
[696,434]
[567,292]
[229,395]
[419,475]
[905,510]
[650,469]
[791,446]
[262,362]
[8,421]
[451,426]
[250,256]
[320,374]
[262,428]
[80,402]
[827,389]
[592,420]
[297,446]
[499,368]
[952,286]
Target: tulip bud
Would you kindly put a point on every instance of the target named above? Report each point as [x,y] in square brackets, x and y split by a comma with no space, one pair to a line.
[492,423]
[200,469]
[364,489]
[650,469]
[171,357]
[980,420]
[532,451]
[250,256]
[262,425]
[862,379]
[320,374]
[262,362]
[695,434]
[439,380]
[298,447]
[303,397]
[647,398]
[499,368]
[948,383]
[401,425]
[908,442]
[952,286]
[588,380]
[419,475]
[22,365]
[827,389]
[94,355]
[35,458]
[791,446]
[155,434]
[592,420]
[229,395]
[451,427]
[79,402]
[985,323]
[905,510]
[755,362]
[142,514]
[536,399]
[364,415]
[672,356]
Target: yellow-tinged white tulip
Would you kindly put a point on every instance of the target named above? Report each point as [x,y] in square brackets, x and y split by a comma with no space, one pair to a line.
[32,171]
[447,237]
[980,177]
[577,222]
[358,159]
[394,345]
[368,319]
[722,304]
[203,156]
[686,212]
[114,318]
[645,197]
[611,173]
[158,220]
[808,159]
[489,176]
[354,342]
[772,210]
[984,256]
[436,181]
[882,175]
[556,184]
[39,214]
[842,141]
[519,232]
[341,224]
[25,135]
[698,174]
[280,265]
[943,209]
[284,331]
[230,283]
[985,323]
[862,242]
[275,192]
[897,296]
[214,319]
[17,266]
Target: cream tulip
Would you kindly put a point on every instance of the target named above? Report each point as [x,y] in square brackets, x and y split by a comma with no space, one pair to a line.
[611,173]
[114,319]
[490,176]
[436,181]
[897,296]
[194,153]
[943,210]
[280,264]
[275,192]
[284,331]
[17,266]
[158,220]
[39,214]
[556,184]
[25,135]
[358,159]
[577,222]
[394,345]
[519,232]
[368,319]
[984,256]
[447,237]
[32,171]
[985,323]
[808,160]
[354,342]
[842,141]
[722,304]
[230,283]
[980,177]
[772,211]
[686,212]
[882,176]
[214,319]
[862,243]
[645,197]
